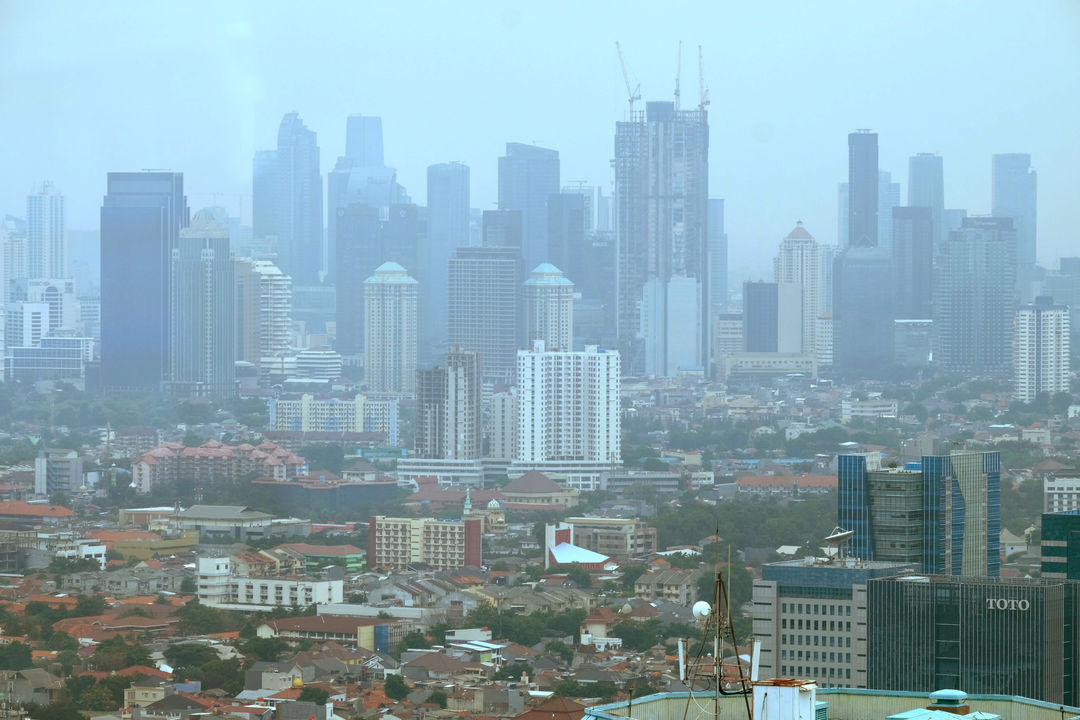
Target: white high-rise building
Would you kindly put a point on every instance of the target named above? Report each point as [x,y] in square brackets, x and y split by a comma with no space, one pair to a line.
[1041,349]
[549,308]
[568,407]
[263,309]
[47,242]
[390,328]
[26,323]
[799,263]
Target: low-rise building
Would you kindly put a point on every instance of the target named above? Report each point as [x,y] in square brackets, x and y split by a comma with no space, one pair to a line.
[213,461]
[673,585]
[441,544]
[218,586]
[614,537]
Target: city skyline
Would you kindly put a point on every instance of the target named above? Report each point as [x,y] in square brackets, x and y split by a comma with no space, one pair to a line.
[757,143]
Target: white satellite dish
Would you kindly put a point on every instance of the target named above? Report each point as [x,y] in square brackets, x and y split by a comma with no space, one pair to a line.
[701,609]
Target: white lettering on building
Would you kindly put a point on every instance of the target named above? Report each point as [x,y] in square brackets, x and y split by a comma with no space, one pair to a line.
[1006,604]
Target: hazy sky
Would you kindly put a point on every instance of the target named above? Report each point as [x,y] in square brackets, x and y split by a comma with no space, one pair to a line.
[90,87]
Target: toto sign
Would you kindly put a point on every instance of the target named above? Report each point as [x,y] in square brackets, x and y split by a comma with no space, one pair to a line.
[1006,604]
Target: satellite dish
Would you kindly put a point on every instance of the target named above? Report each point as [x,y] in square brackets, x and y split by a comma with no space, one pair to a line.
[701,609]
[839,535]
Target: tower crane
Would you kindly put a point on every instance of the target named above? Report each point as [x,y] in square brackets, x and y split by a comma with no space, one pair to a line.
[631,94]
[703,89]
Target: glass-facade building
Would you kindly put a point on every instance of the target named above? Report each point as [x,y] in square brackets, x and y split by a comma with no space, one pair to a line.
[1061,545]
[943,512]
[985,635]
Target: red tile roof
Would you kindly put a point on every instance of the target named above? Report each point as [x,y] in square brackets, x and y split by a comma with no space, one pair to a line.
[17,507]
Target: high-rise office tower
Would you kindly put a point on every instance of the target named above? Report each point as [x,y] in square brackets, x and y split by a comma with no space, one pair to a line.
[263,324]
[202,348]
[46,238]
[589,196]
[390,307]
[975,298]
[26,323]
[863,197]
[772,317]
[1041,349]
[141,218]
[448,408]
[566,234]
[1015,187]
[926,188]
[568,406]
[484,307]
[913,261]
[360,177]
[447,230]
[549,308]
[287,200]
[501,228]
[661,219]
[366,239]
[863,309]
[943,512]
[718,258]
[528,175]
[799,263]
[14,259]
[888,198]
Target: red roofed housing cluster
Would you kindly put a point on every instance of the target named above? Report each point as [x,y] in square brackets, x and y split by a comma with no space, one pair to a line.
[212,461]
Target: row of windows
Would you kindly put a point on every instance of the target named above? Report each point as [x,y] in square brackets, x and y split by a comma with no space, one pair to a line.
[817,672]
[805,640]
[830,625]
[816,656]
[816,608]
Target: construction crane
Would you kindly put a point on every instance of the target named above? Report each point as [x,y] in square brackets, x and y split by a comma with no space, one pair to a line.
[703,89]
[678,74]
[635,93]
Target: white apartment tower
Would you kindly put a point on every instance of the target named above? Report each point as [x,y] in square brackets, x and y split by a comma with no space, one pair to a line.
[549,308]
[799,263]
[1041,349]
[46,240]
[390,328]
[263,309]
[568,406]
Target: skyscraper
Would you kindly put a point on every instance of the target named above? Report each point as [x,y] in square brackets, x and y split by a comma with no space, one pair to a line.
[975,298]
[799,263]
[141,218]
[863,309]
[263,324]
[1041,349]
[718,258]
[1015,186]
[549,308]
[287,200]
[913,261]
[568,406]
[447,230]
[501,228]
[364,140]
[566,234]
[390,306]
[484,307]
[46,237]
[926,188]
[528,175]
[888,198]
[448,408]
[772,314]
[943,512]
[368,237]
[202,311]
[863,196]
[661,219]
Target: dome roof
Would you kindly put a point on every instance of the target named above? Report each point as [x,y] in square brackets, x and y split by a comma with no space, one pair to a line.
[800,233]
[493,504]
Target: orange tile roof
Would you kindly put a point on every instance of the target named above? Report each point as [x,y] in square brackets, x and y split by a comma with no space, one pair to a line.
[25,509]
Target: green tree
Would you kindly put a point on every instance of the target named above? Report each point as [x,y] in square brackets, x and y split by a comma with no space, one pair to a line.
[189,654]
[437,697]
[198,619]
[62,641]
[560,650]
[314,694]
[265,648]
[97,698]
[53,711]
[396,688]
[15,656]
[578,575]
[630,573]
[187,585]
[513,671]
[324,456]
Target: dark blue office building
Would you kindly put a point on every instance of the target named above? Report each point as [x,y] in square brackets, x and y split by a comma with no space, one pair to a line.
[141,218]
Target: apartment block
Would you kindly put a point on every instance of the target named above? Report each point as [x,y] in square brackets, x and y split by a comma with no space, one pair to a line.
[442,544]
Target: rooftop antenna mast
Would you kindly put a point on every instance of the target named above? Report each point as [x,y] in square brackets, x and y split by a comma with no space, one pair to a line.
[678,74]
[703,89]
[632,94]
